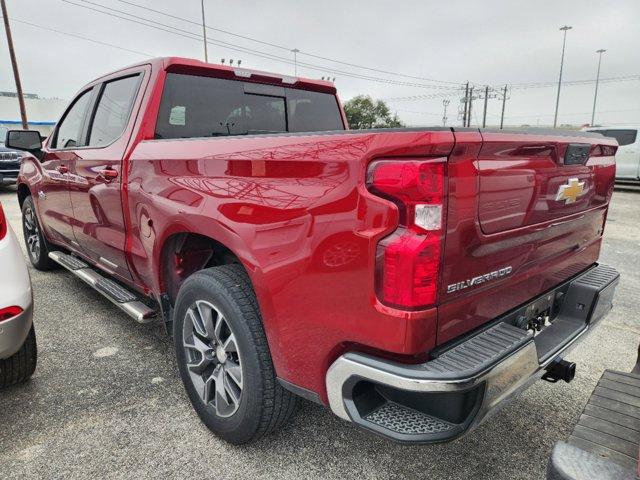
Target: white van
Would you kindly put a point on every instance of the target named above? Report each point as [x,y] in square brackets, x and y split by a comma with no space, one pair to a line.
[628,155]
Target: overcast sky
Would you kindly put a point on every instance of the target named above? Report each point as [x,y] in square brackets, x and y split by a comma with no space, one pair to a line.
[485,42]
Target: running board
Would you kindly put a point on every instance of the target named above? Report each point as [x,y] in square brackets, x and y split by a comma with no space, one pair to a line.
[127,301]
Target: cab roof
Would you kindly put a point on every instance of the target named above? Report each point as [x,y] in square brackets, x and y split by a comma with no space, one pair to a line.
[198,67]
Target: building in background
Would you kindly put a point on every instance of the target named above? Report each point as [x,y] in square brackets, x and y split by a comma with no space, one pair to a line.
[42,113]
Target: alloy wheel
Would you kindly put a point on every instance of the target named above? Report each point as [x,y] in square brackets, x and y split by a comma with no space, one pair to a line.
[213,358]
[31,233]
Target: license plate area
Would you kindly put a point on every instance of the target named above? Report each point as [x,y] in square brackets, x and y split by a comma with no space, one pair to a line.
[538,314]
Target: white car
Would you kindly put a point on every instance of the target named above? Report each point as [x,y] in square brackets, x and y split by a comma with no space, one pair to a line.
[628,154]
[18,352]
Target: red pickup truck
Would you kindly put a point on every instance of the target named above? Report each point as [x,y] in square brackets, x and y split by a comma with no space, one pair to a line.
[410,279]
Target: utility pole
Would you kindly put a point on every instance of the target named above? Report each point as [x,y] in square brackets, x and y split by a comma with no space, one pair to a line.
[564,42]
[295,61]
[595,95]
[470,107]
[445,103]
[504,102]
[14,64]
[486,101]
[204,34]
[465,101]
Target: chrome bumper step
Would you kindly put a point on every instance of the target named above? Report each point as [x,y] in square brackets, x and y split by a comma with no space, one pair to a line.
[124,299]
[466,382]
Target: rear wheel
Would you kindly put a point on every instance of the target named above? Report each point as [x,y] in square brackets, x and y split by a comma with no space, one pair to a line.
[37,246]
[223,356]
[21,365]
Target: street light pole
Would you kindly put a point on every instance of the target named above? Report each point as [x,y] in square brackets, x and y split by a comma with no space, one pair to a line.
[564,42]
[204,34]
[595,95]
[14,64]
[295,61]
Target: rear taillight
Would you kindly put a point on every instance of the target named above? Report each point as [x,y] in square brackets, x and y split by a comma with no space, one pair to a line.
[9,312]
[3,224]
[408,260]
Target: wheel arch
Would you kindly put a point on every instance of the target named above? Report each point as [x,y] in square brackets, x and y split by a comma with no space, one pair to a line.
[184,253]
[23,192]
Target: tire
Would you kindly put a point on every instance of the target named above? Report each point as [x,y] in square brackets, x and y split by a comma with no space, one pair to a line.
[21,365]
[253,403]
[38,247]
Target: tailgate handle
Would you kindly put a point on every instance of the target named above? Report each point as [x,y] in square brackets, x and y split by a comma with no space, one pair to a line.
[577,153]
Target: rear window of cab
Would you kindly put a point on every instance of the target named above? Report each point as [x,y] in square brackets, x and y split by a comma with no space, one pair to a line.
[194,106]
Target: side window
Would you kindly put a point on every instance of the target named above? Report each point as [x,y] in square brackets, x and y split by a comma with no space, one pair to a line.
[69,130]
[114,108]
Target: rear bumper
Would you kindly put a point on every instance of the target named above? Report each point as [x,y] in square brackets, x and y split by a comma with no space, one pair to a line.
[446,397]
[14,332]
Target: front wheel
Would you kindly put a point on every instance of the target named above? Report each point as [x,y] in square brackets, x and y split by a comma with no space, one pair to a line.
[37,246]
[223,356]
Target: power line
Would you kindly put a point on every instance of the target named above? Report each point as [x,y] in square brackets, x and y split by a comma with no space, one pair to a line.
[567,114]
[625,78]
[285,48]
[418,112]
[424,97]
[521,86]
[193,36]
[42,27]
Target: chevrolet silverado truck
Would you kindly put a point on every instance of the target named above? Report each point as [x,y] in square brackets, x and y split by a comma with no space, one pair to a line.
[412,280]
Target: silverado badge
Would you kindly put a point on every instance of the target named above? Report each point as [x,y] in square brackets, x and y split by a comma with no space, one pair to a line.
[570,191]
[471,282]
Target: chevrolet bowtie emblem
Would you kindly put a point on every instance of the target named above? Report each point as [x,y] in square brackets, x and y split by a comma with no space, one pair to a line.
[570,191]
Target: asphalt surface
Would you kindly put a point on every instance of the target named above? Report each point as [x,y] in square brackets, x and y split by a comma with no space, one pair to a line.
[106,400]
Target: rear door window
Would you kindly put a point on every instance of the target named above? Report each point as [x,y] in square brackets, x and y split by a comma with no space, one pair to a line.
[194,106]
[114,108]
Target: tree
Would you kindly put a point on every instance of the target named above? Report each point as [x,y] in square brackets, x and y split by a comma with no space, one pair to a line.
[365,112]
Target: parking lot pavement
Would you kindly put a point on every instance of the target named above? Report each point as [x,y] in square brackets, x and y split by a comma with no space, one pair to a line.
[106,400]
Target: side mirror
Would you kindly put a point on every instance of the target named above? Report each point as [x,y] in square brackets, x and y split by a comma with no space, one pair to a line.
[27,140]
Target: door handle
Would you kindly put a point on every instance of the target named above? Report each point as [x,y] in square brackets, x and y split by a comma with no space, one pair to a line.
[108,174]
[62,169]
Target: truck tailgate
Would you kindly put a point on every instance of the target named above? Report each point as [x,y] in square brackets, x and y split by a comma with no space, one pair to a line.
[526,211]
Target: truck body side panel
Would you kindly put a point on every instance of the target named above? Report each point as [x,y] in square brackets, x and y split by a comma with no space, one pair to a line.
[294,210]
